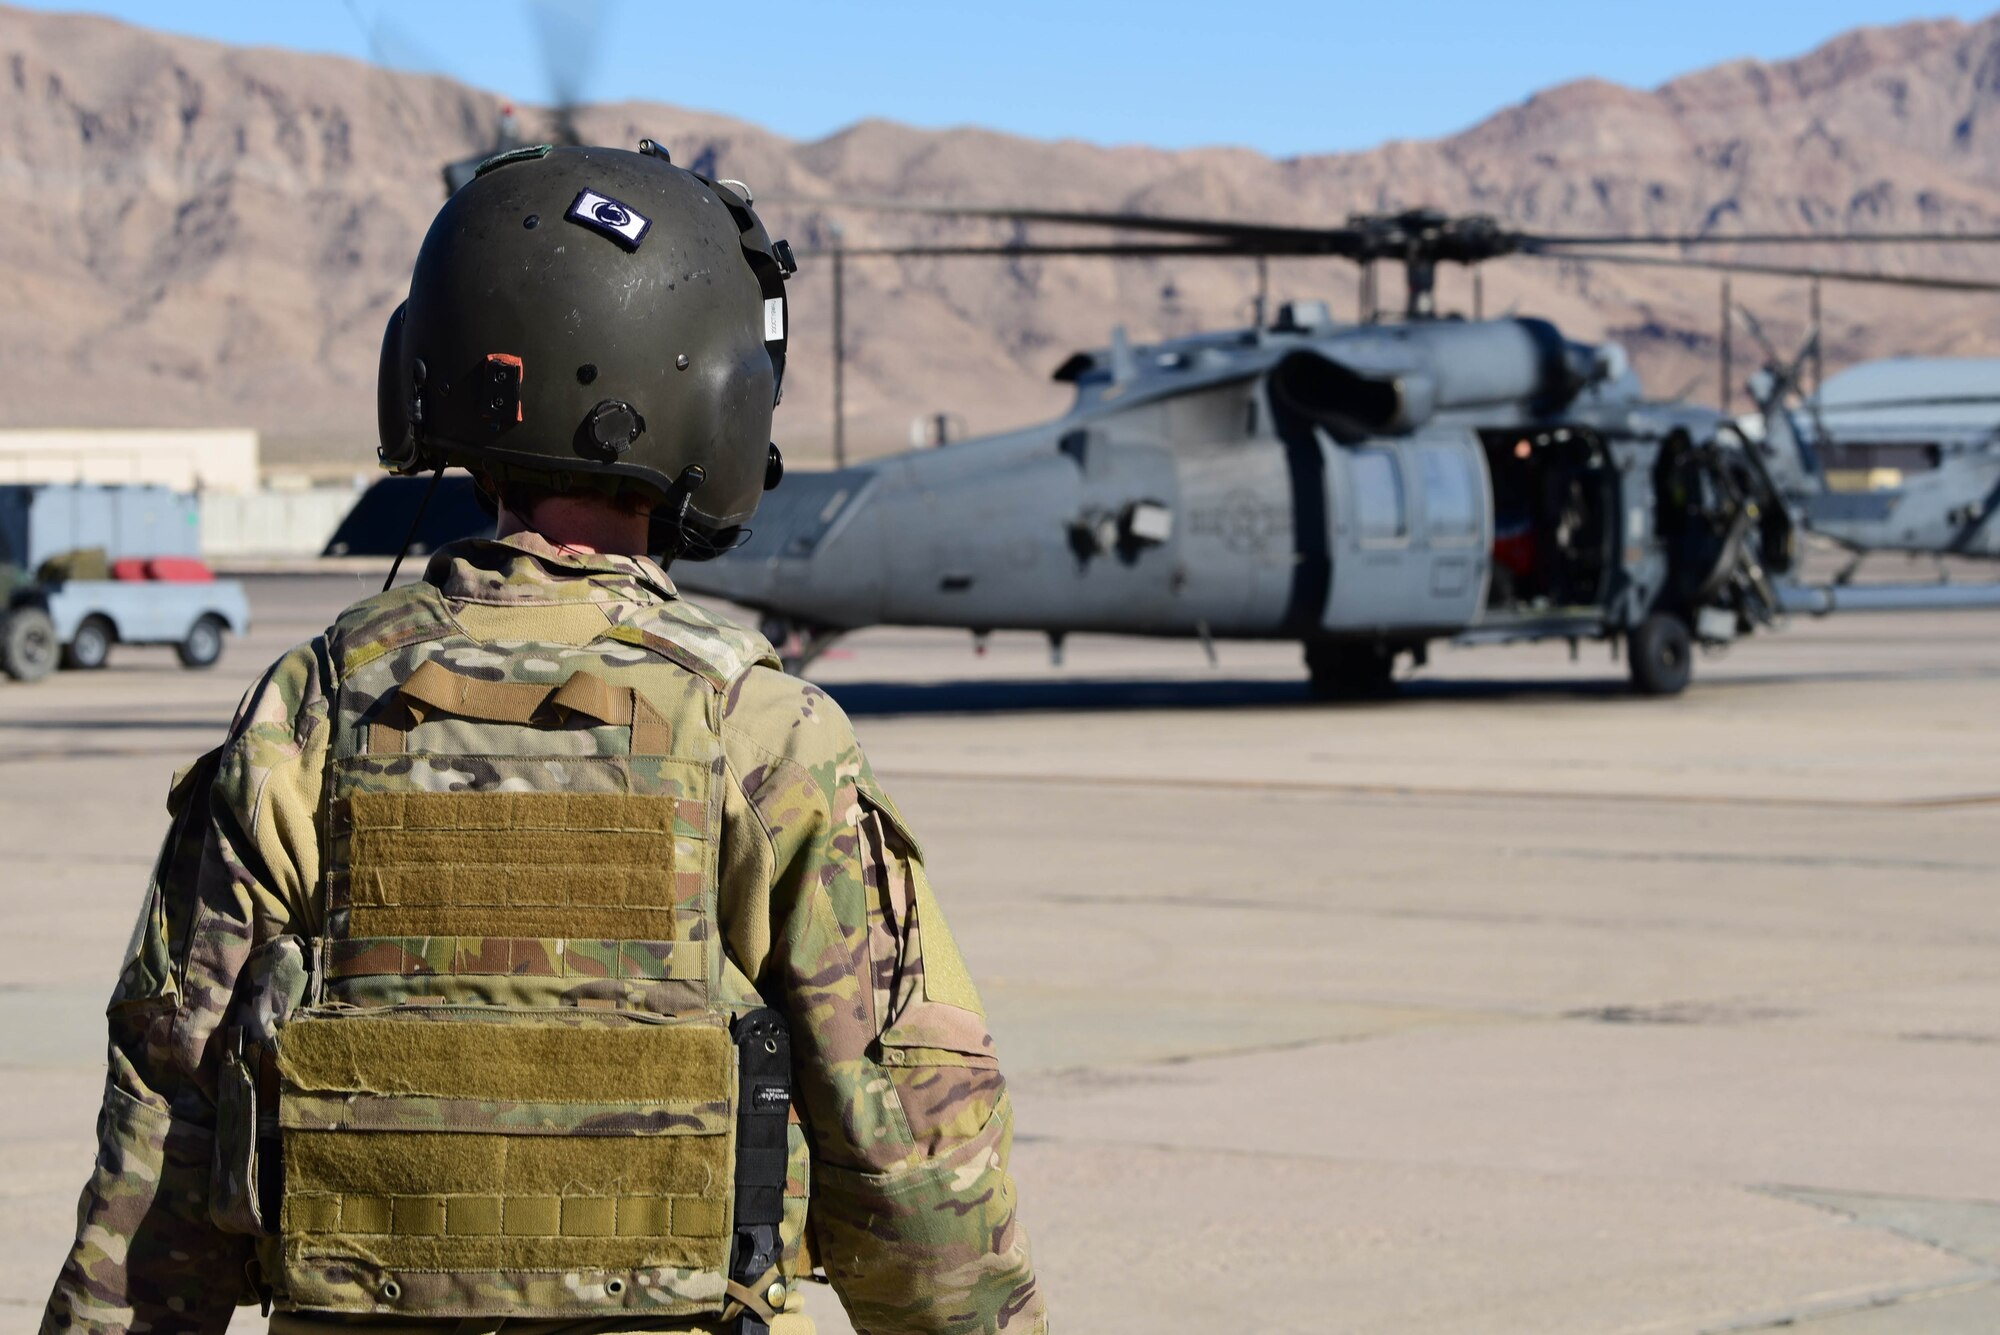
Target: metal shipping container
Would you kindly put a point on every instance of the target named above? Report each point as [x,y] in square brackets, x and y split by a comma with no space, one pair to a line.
[40,521]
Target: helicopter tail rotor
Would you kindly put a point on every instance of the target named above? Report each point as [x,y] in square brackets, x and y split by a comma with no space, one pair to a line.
[1794,464]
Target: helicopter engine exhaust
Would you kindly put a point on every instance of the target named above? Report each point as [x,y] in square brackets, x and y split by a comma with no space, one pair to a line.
[1373,390]
[1350,405]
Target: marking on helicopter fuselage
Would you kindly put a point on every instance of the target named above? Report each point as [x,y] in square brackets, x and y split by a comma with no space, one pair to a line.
[1241,522]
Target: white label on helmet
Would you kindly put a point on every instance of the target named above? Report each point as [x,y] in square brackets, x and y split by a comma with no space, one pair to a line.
[774,319]
[601,213]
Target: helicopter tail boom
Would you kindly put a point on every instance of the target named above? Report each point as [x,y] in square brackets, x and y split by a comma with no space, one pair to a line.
[1824,599]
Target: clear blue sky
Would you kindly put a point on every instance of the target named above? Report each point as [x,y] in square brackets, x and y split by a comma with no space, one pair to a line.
[1284,76]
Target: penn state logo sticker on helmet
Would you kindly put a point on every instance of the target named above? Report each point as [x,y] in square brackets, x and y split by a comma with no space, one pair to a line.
[601,213]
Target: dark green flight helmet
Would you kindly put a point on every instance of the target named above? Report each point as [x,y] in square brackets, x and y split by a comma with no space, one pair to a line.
[592,318]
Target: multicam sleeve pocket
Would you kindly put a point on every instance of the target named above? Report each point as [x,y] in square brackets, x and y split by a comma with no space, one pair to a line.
[940,1059]
[233,1197]
[935,1045]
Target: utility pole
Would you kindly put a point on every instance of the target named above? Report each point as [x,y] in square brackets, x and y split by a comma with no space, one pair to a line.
[1818,363]
[1263,290]
[1365,294]
[839,355]
[1478,295]
[1727,375]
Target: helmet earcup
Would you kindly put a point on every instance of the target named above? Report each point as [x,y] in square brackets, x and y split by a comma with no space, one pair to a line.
[395,433]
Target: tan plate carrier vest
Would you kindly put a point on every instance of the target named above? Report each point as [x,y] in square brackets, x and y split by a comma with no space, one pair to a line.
[510,1088]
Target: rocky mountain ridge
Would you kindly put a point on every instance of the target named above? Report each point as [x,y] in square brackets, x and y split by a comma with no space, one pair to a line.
[206,234]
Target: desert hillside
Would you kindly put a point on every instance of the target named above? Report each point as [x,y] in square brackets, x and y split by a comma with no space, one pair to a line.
[206,234]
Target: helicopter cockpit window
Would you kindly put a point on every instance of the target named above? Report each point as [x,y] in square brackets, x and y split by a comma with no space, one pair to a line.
[1899,456]
[1380,510]
[1451,503]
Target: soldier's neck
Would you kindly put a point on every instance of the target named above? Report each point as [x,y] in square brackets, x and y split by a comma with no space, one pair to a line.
[580,524]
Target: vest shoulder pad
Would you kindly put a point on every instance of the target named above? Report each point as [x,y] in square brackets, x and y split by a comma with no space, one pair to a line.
[706,643]
[385,622]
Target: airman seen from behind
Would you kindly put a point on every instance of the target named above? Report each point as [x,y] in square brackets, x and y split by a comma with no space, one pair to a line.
[534,954]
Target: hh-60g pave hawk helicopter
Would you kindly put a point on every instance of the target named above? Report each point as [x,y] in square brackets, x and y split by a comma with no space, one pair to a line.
[1901,455]
[1364,489]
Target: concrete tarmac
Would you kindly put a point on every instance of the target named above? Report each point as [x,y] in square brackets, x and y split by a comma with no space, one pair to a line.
[1514,1004]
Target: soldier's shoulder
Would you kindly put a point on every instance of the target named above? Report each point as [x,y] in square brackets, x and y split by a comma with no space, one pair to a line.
[288,692]
[786,717]
[702,640]
[383,622]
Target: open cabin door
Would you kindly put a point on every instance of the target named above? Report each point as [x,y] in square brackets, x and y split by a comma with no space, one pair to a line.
[1412,531]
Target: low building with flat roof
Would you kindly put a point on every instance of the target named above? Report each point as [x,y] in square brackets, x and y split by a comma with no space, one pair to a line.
[223,459]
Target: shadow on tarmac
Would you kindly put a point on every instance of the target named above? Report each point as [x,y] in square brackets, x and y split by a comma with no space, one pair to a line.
[890,698]
[887,699]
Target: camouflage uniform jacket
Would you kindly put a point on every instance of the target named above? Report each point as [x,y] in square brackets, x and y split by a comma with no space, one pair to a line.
[824,910]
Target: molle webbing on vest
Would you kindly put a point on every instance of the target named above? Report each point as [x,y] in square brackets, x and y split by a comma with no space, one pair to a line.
[435,689]
[550,865]
[513,957]
[646,1062]
[511,1096]
[505,1150]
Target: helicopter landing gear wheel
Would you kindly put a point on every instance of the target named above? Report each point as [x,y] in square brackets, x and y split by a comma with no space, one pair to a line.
[1346,670]
[1660,654]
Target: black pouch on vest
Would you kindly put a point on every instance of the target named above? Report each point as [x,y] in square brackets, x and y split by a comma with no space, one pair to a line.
[764,1077]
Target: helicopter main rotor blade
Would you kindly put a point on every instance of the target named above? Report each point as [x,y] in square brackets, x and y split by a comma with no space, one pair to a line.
[1309,240]
[1110,249]
[1537,239]
[1289,238]
[1925,281]
[1416,236]
[1252,250]
[1356,236]
[567,31]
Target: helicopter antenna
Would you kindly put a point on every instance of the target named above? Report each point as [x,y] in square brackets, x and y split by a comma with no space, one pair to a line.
[834,234]
[1818,361]
[1725,348]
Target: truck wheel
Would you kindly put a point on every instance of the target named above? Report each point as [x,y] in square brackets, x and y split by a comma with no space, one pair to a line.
[90,646]
[203,644]
[28,646]
[1661,655]
[1349,671]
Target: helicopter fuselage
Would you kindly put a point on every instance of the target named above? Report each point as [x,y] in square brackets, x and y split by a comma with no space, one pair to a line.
[1379,486]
